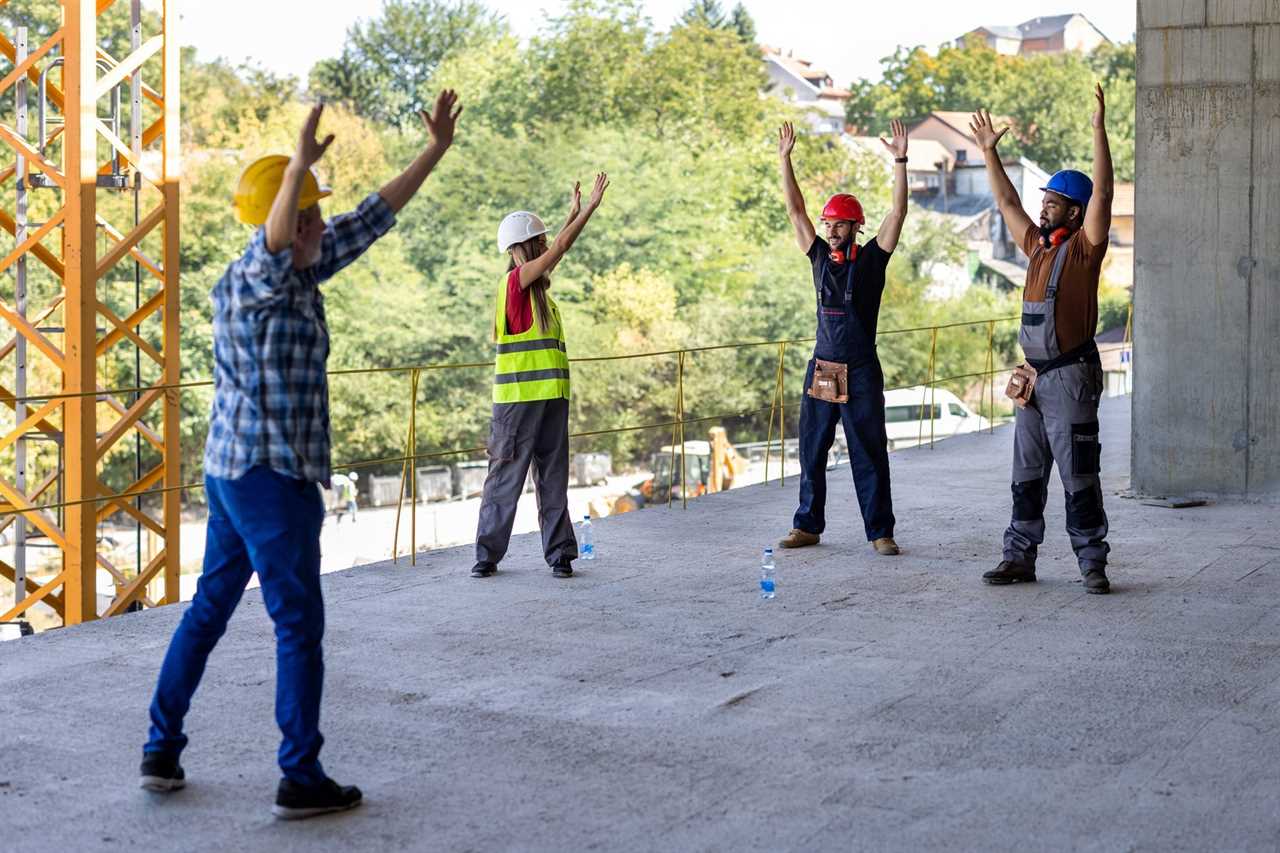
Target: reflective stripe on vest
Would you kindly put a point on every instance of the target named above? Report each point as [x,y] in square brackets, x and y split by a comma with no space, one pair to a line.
[533,365]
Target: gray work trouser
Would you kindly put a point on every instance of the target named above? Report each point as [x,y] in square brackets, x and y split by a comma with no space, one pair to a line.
[522,433]
[1060,424]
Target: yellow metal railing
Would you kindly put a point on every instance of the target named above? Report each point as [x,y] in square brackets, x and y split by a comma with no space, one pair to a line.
[410,457]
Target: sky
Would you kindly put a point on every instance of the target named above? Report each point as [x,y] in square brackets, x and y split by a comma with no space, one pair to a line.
[845,37]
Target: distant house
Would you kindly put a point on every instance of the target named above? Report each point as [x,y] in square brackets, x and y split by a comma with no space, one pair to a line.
[1118,267]
[801,82]
[1051,34]
[951,130]
[928,161]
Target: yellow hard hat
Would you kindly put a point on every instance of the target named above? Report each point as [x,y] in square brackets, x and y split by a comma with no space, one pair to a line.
[260,182]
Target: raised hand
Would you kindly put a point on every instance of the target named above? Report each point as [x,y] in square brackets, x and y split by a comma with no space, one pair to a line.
[984,131]
[898,147]
[575,203]
[1100,114]
[309,150]
[440,123]
[786,139]
[597,191]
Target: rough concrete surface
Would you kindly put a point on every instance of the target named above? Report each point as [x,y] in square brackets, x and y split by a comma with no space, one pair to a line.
[655,703]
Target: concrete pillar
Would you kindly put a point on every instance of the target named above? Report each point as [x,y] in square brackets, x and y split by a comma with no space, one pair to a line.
[1206,400]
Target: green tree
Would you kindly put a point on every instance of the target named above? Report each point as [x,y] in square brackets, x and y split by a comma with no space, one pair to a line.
[705,13]
[1048,97]
[741,22]
[387,62]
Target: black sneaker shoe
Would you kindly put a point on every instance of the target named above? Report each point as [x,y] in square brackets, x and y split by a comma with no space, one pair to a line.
[295,801]
[161,772]
[563,569]
[1096,583]
[1010,572]
[483,570]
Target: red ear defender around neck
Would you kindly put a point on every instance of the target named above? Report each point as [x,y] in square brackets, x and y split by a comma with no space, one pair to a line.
[839,257]
[1057,237]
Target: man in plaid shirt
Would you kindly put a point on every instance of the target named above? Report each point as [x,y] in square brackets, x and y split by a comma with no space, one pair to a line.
[268,447]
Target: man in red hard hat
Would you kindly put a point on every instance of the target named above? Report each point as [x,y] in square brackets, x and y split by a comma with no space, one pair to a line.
[843,382]
[1058,389]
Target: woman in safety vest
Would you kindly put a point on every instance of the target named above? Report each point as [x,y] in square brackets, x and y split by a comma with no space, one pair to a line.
[531,391]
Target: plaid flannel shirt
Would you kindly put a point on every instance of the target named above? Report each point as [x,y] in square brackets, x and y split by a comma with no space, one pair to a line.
[270,345]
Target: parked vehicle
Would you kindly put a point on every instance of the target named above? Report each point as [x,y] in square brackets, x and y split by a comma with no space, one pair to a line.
[913,415]
[591,469]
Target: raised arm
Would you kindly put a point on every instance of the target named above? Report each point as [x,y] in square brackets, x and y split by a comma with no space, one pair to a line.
[800,220]
[1001,187]
[544,263]
[891,227]
[282,220]
[1097,218]
[440,125]
[575,207]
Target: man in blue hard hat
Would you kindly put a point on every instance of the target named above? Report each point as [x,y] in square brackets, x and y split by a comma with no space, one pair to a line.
[1058,388]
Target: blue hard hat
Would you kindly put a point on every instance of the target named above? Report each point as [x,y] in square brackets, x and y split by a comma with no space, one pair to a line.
[1071,184]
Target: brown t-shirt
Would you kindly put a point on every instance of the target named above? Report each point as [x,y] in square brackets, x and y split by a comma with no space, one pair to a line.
[1075,313]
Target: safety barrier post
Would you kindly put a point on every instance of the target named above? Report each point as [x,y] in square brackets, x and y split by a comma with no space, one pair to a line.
[991,374]
[413,469]
[782,414]
[684,468]
[675,427]
[773,410]
[404,469]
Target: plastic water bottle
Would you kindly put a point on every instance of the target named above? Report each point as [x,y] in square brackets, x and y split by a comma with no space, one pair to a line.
[586,543]
[766,575]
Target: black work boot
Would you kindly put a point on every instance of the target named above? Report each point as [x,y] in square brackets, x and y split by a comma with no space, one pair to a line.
[1096,583]
[1010,572]
[295,801]
[483,569]
[161,773]
[563,568]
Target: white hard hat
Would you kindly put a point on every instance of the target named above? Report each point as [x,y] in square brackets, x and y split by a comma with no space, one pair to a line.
[354,475]
[518,227]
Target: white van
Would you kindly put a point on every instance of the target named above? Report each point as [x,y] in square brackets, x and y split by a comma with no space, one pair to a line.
[910,414]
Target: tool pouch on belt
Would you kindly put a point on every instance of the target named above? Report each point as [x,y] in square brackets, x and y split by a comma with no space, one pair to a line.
[1021,383]
[830,381]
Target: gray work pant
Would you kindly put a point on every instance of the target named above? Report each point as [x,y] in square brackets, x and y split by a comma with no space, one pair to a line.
[524,433]
[1061,424]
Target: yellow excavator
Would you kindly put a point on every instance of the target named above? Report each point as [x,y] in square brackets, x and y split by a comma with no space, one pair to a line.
[708,466]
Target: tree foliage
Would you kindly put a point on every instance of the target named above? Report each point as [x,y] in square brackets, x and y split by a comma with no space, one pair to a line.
[1048,96]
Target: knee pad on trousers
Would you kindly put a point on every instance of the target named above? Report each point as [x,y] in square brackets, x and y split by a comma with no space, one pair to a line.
[1028,500]
[1084,509]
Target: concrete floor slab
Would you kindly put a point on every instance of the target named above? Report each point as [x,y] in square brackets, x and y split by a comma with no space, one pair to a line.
[653,702]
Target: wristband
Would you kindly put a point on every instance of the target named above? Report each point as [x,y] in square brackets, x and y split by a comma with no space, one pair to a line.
[899,159]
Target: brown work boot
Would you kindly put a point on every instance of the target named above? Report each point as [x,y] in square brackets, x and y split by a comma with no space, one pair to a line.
[886,547]
[798,538]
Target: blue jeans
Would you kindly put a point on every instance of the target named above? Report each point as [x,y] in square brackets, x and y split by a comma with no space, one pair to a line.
[863,419]
[268,523]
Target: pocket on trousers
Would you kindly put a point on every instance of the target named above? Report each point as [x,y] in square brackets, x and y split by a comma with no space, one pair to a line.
[502,444]
[1086,450]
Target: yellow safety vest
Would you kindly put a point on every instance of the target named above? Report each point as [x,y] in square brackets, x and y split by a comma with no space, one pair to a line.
[532,365]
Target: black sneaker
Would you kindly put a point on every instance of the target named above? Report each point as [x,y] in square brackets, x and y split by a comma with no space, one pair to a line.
[562,569]
[1010,572]
[161,772]
[295,801]
[483,570]
[1096,583]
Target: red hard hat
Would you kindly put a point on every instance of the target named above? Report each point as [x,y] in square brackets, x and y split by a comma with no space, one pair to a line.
[844,206]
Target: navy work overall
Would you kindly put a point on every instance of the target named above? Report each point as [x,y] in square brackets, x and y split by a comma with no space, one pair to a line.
[1060,423]
[842,337]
